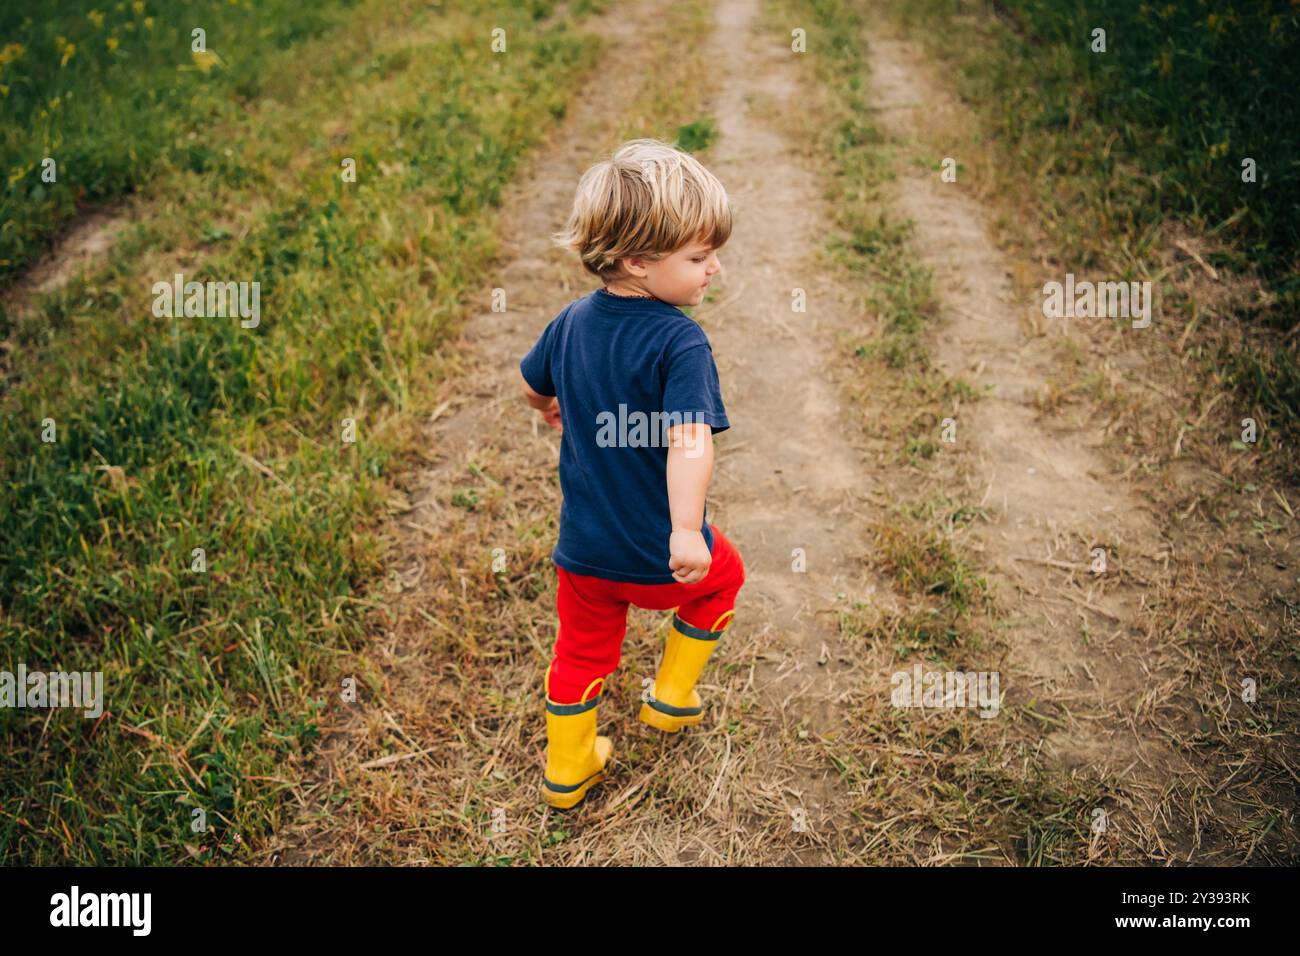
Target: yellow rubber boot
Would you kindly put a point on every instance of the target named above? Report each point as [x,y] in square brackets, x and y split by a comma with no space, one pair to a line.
[575,756]
[673,702]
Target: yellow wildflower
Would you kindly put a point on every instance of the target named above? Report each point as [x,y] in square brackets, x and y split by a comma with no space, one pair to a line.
[54,103]
[4,90]
[68,50]
[11,52]
[138,7]
[111,43]
[205,60]
[95,17]
[148,23]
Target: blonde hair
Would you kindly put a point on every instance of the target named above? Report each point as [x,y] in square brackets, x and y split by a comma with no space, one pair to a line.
[648,200]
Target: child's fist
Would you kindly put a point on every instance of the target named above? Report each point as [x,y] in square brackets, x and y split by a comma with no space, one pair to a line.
[688,556]
[551,413]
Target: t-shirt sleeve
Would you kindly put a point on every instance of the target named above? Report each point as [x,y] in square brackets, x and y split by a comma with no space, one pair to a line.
[536,365]
[691,386]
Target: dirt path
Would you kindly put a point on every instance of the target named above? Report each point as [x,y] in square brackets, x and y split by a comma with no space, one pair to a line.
[790,483]
[80,249]
[1052,494]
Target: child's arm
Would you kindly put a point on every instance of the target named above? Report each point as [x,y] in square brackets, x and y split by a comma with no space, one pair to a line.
[548,405]
[690,468]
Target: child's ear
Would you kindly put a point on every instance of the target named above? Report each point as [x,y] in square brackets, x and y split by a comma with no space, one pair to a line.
[634,265]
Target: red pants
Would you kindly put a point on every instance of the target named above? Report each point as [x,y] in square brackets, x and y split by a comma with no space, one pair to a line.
[593,617]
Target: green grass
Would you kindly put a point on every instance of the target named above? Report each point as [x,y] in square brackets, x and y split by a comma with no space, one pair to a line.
[167,429]
[926,562]
[107,90]
[1109,149]
[698,136]
[1183,93]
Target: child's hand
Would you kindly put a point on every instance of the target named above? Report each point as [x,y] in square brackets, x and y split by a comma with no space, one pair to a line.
[689,556]
[552,415]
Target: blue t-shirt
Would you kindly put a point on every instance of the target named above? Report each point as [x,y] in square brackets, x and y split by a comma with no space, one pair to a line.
[625,370]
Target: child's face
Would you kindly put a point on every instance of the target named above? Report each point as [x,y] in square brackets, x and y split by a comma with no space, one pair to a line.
[682,277]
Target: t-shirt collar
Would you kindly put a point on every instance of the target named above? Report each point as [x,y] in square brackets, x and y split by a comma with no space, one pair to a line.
[625,303]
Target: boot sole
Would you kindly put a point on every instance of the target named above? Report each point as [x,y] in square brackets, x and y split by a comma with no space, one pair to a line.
[570,799]
[666,723]
[566,801]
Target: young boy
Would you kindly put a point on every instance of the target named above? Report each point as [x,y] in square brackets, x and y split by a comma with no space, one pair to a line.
[635,382]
